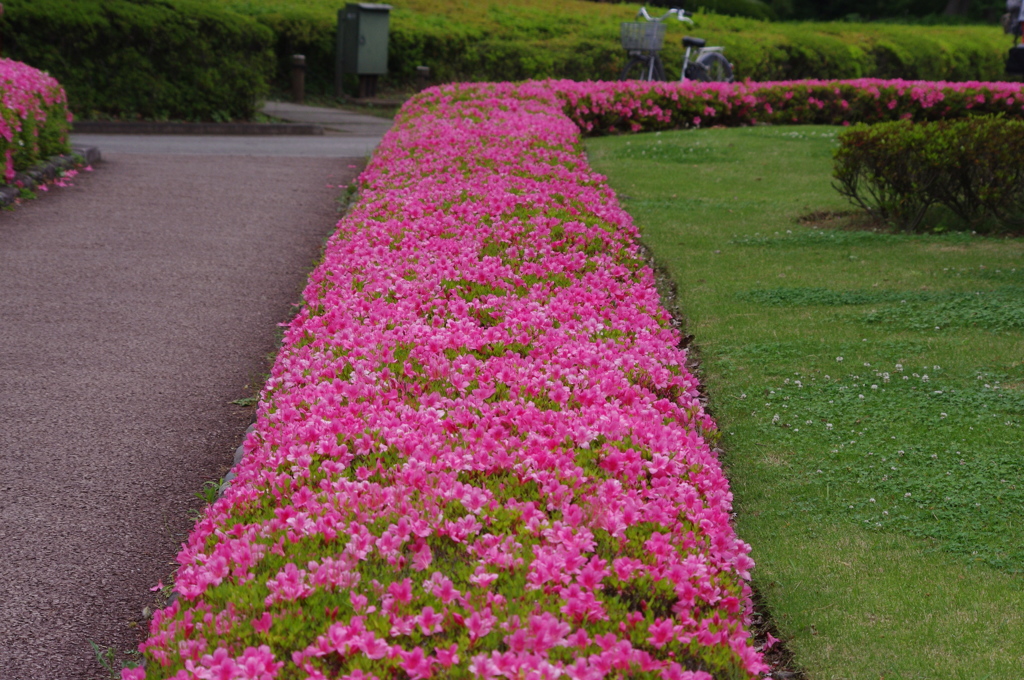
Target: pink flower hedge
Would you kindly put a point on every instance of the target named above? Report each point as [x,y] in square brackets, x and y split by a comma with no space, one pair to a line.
[600,108]
[34,118]
[480,453]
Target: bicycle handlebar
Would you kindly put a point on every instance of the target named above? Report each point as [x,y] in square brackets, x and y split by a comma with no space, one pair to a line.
[679,14]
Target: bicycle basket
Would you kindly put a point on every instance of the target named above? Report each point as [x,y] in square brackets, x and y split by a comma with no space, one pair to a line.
[642,36]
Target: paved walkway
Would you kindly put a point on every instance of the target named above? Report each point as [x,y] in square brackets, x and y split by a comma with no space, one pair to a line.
[348,134]
[135,306]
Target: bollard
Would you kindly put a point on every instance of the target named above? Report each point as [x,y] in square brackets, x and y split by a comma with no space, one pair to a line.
[299,78]
[367,85]
[422,78]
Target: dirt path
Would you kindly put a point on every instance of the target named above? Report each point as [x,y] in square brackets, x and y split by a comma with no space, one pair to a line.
[133,307]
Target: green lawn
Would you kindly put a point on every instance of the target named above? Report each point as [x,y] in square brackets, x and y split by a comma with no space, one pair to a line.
[870,390]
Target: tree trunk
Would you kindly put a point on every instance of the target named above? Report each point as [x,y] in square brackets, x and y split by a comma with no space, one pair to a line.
[956,7]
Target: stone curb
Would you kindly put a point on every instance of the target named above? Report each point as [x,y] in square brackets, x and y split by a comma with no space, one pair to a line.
[46,171]
[107,127]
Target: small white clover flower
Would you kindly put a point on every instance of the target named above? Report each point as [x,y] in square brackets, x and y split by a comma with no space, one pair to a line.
[943,415]
[839,358]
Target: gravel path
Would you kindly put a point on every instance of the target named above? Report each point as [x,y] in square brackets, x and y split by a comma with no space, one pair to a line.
[134,307]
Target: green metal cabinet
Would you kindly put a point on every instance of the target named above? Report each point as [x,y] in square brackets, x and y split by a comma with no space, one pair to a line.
[362,46]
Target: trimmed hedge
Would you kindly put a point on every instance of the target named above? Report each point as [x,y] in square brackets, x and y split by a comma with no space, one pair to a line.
[636,106]
[899,170]
[157,59]
[524,39]
[34,118]
[480,453]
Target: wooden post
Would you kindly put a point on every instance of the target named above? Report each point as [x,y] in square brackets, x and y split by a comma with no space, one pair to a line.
[299,78]
[422,78]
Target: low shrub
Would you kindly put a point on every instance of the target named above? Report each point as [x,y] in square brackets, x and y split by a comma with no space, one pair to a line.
[899,170]
[480,452]
[157,59]
[34,118]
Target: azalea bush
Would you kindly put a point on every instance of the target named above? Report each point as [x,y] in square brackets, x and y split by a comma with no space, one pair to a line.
[34,118]
[634,106]
[480,452]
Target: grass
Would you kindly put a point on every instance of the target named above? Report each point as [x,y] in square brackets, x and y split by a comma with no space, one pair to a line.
[870,389]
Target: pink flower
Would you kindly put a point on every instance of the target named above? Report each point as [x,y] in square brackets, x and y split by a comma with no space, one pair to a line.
[262,624]
[447,656]
[416,664]
[429,621]
[661,632]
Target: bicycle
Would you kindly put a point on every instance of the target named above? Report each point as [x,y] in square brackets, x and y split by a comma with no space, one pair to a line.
[643,41]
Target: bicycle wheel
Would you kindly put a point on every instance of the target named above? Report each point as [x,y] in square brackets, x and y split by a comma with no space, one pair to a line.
[717,68]
[697,71]
[643,68]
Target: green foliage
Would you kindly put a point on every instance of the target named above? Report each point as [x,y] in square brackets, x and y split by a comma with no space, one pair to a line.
[899,170]
[491,40]
[157,59]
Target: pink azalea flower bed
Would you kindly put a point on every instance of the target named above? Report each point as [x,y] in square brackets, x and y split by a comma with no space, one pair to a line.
[609,107]
[480,453]
[34,118]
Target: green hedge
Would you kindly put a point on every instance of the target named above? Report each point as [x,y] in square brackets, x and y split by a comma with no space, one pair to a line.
[186,59]
[156,59]
[518,39]
[971,167]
